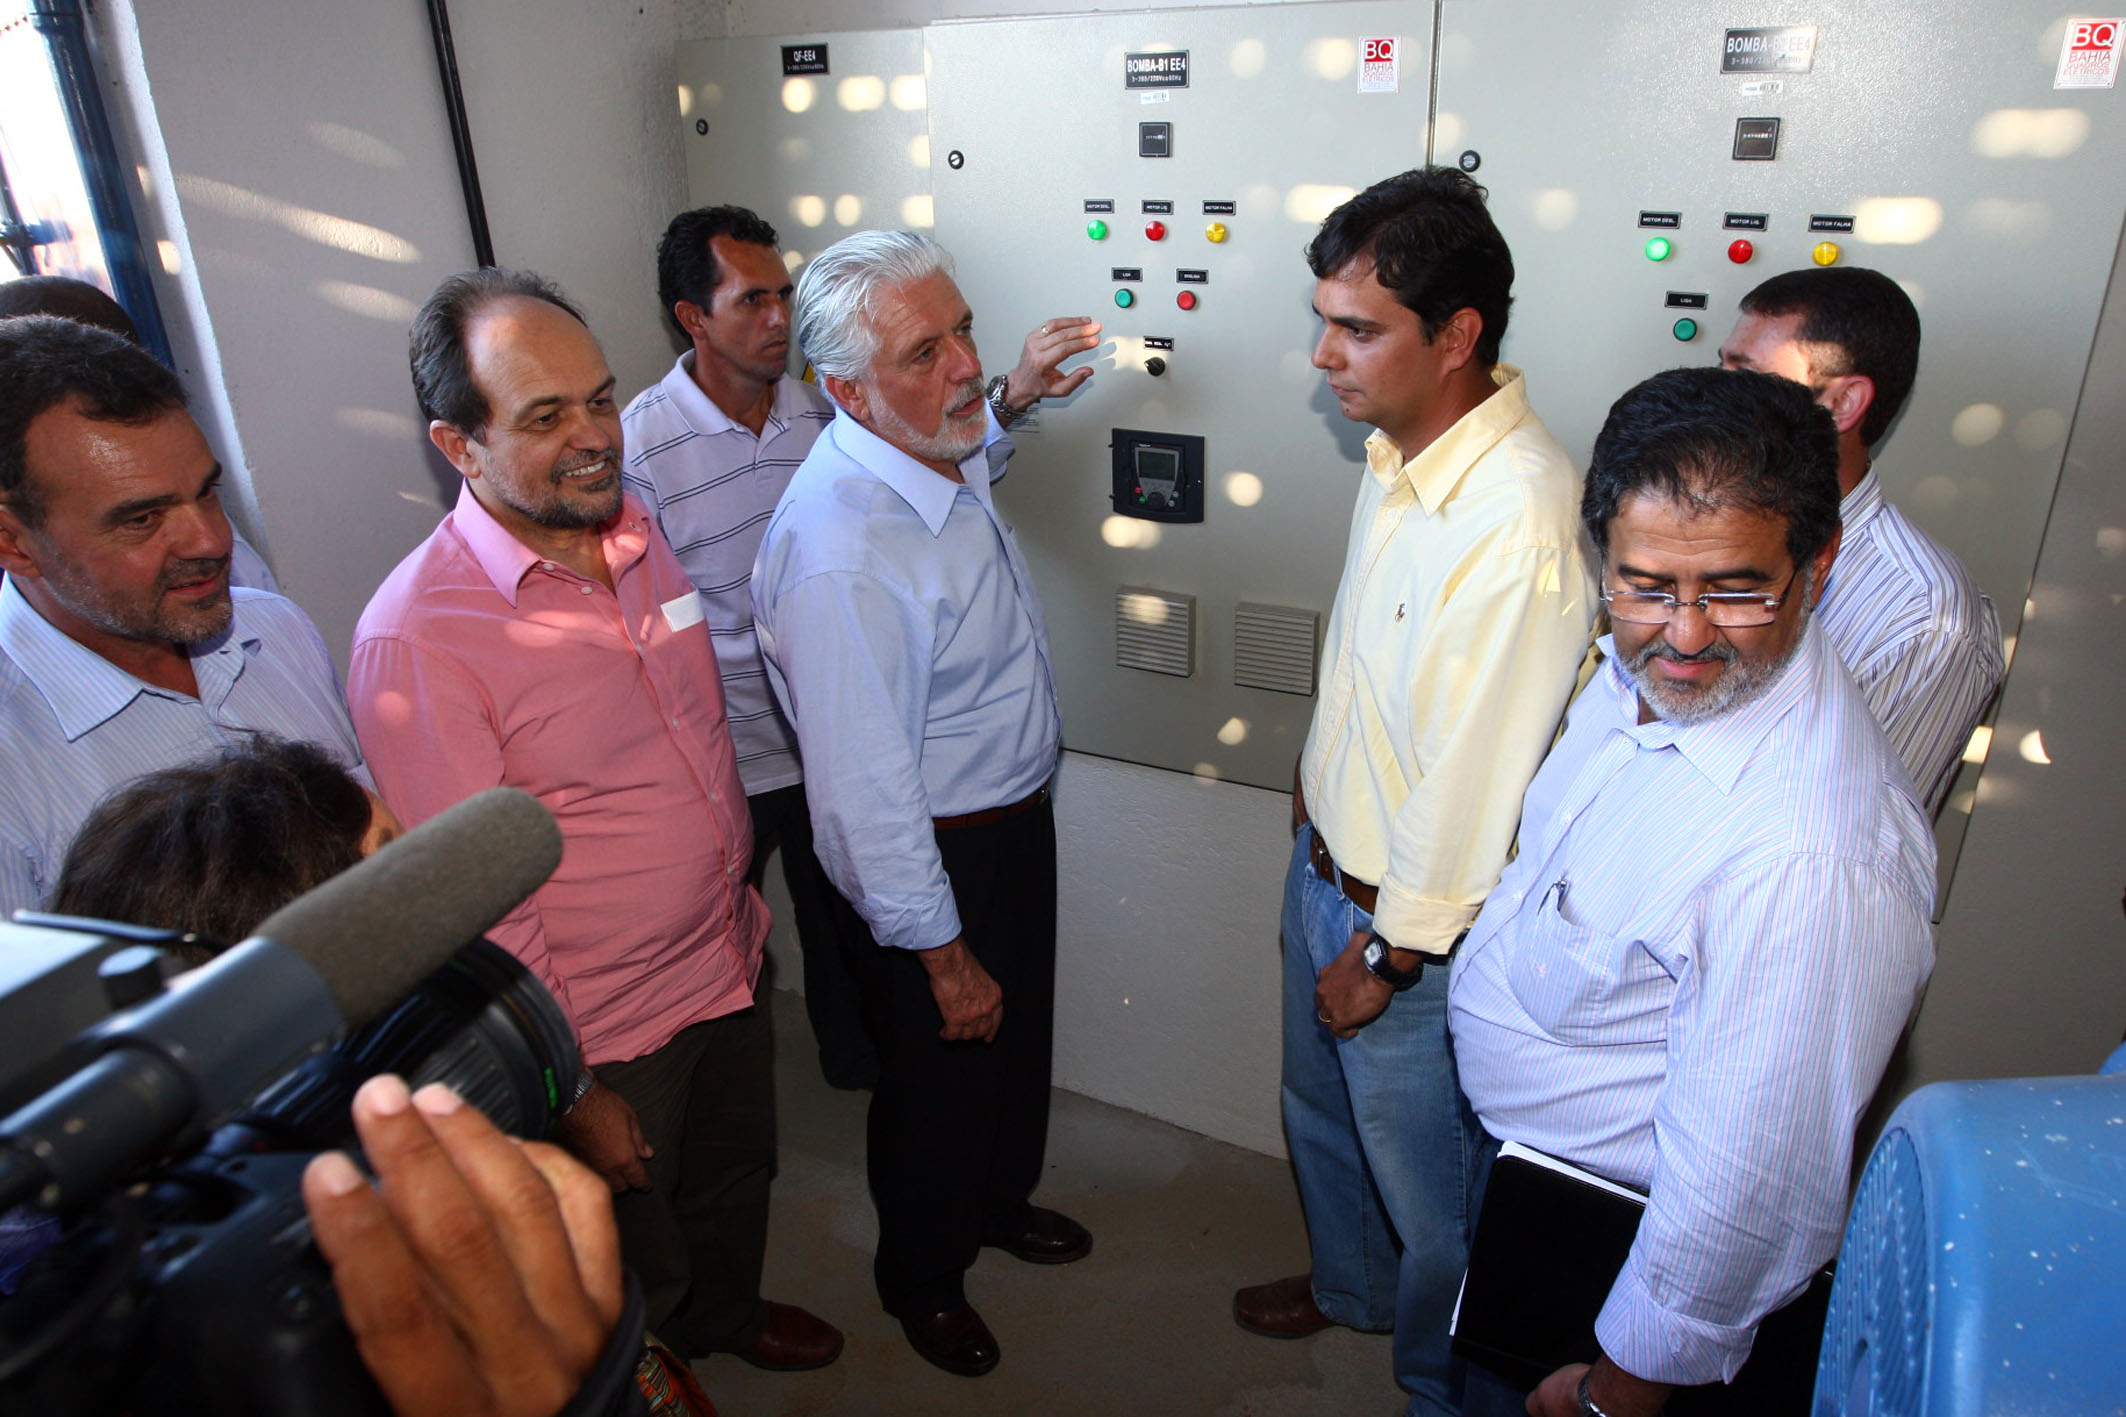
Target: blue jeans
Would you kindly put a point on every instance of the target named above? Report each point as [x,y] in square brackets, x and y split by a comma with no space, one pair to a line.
[1381,1144]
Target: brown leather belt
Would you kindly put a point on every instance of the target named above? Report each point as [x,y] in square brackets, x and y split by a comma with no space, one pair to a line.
[1356,891]
[990,815]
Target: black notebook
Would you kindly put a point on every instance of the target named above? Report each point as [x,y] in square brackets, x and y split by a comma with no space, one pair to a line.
[1549,1243]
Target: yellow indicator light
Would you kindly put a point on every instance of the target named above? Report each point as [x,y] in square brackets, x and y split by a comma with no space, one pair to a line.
[1216,232]
[1825,254]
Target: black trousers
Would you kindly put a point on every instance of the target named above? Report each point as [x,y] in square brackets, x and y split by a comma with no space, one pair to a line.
[833,1004]
[958,1131]
[696,1238]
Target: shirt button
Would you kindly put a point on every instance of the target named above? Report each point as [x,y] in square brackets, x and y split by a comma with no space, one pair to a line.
[585,589]
[546,565]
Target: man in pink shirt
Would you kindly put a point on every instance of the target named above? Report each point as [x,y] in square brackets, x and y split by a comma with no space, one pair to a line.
[544,637]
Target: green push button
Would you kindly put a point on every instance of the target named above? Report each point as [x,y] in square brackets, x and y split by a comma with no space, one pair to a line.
[1657,248]
[1097,230]
[1686,329]
[1125,298]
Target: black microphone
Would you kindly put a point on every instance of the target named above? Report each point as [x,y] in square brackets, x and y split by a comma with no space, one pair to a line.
[175,1064]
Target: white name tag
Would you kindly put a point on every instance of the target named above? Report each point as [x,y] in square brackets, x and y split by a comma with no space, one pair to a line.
[683,611]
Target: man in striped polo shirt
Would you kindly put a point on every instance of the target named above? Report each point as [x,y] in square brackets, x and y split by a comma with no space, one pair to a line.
[710,448]
[1919,637]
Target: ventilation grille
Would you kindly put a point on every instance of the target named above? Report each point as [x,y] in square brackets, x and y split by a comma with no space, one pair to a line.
[1155,630]
[1879,1336]
[1273,648]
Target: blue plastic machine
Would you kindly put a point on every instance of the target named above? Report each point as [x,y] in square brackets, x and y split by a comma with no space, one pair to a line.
[1984,1265]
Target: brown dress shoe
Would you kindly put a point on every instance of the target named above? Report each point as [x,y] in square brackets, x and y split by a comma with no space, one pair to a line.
[1049,1238]
[793,1341]
[956,1340]
[1283,1308]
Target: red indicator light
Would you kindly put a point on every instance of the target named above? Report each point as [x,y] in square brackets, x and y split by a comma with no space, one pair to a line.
[1186,300]
[1156,230]
[1740,251]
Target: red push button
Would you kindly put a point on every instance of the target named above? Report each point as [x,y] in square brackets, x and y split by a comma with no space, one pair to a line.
[1740,251]
[1156,230]
[1186,300]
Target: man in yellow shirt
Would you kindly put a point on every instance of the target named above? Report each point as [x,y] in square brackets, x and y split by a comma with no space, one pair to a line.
[1459,626]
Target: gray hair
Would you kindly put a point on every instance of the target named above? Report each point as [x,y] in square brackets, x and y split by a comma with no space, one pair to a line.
[840,287]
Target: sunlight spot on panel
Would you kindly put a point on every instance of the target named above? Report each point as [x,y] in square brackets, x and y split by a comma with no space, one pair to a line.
[1249,58]
[796,150]
[1981,741]
[166,252]
[378,423]
[809,209]
[2030,132]
[1234,733]
[1446,133]
[1129,533]
[2033,748]
[1897,221]
[2111,542]
[799,94]
[2019,221]
[848,209]
[355,145]
[1310,202]
[366,300]
[918,212]
[2040,428]
[910,92]
[919,150]
[1330,57]
[340,233]
[1243,489]
[860,93]
[1556,208]
[792,259]
[1977,425]
[1146,609]
[1206,772]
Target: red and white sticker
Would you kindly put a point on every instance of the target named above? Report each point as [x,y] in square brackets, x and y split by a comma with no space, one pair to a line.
[1380,63]
[2089,54]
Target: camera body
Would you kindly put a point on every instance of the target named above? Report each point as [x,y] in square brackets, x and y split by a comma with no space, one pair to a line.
[193,1286]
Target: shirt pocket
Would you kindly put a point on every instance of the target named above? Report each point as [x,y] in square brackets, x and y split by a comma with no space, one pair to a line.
[1584,984]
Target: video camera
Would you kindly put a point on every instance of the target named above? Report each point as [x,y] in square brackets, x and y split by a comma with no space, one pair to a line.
[155,1256]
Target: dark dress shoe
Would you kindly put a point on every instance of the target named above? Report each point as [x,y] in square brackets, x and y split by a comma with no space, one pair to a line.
[793,1341]
[1283,1308]
[1049,1238]
[956,1340]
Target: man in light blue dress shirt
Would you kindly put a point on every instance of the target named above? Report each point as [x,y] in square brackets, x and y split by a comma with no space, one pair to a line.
[122,647]
[904,640]
[1693,973]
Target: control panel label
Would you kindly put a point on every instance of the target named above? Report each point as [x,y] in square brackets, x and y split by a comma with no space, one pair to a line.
[804,59]
[1158,342]
[1099,204]
[1221,208]
[1831,223]
[1189,277]
[1746,221]
[1686,300]
[1158,208]
[1769,49]
[1155,71]
[1667,221]
[2089,54]
[1126,273]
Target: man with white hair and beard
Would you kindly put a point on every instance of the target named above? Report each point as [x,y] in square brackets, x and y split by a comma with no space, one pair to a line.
[904,640]
[1691,976]
[544,637]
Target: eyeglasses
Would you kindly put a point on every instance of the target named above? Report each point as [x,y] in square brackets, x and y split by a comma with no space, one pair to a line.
[1730,610]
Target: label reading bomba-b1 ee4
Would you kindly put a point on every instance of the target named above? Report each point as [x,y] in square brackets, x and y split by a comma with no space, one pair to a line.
[1168,70]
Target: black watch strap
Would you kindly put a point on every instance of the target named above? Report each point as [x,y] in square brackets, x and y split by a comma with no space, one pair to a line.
[1380,967]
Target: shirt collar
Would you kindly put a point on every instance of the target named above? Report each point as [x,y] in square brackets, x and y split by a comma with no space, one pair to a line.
[700,413]
[82,688]
[506,560]
[1860,505]
[928,494]
[1439,468]
[1720,748]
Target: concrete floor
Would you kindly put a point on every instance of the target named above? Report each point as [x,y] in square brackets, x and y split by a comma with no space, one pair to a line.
[1142,1326]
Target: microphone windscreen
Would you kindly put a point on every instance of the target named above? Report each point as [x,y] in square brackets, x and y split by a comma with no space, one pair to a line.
[382,926]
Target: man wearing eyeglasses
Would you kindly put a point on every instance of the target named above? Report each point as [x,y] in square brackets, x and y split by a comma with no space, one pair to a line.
[1920,638]
[1691,977]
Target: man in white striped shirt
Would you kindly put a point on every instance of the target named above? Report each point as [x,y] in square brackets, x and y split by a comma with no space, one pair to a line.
[1922,641]
[710,447]
[1691,976]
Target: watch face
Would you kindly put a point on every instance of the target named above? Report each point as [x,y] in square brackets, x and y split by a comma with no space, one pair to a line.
[1374,952]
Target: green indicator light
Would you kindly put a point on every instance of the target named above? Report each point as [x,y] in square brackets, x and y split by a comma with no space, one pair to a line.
[1125,298]
[1097,230]
[1657,248]
[1686,329]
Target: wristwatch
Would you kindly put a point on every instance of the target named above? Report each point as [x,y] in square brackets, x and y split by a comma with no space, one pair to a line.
[585,1081]
[1006,414]
[1377,965]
